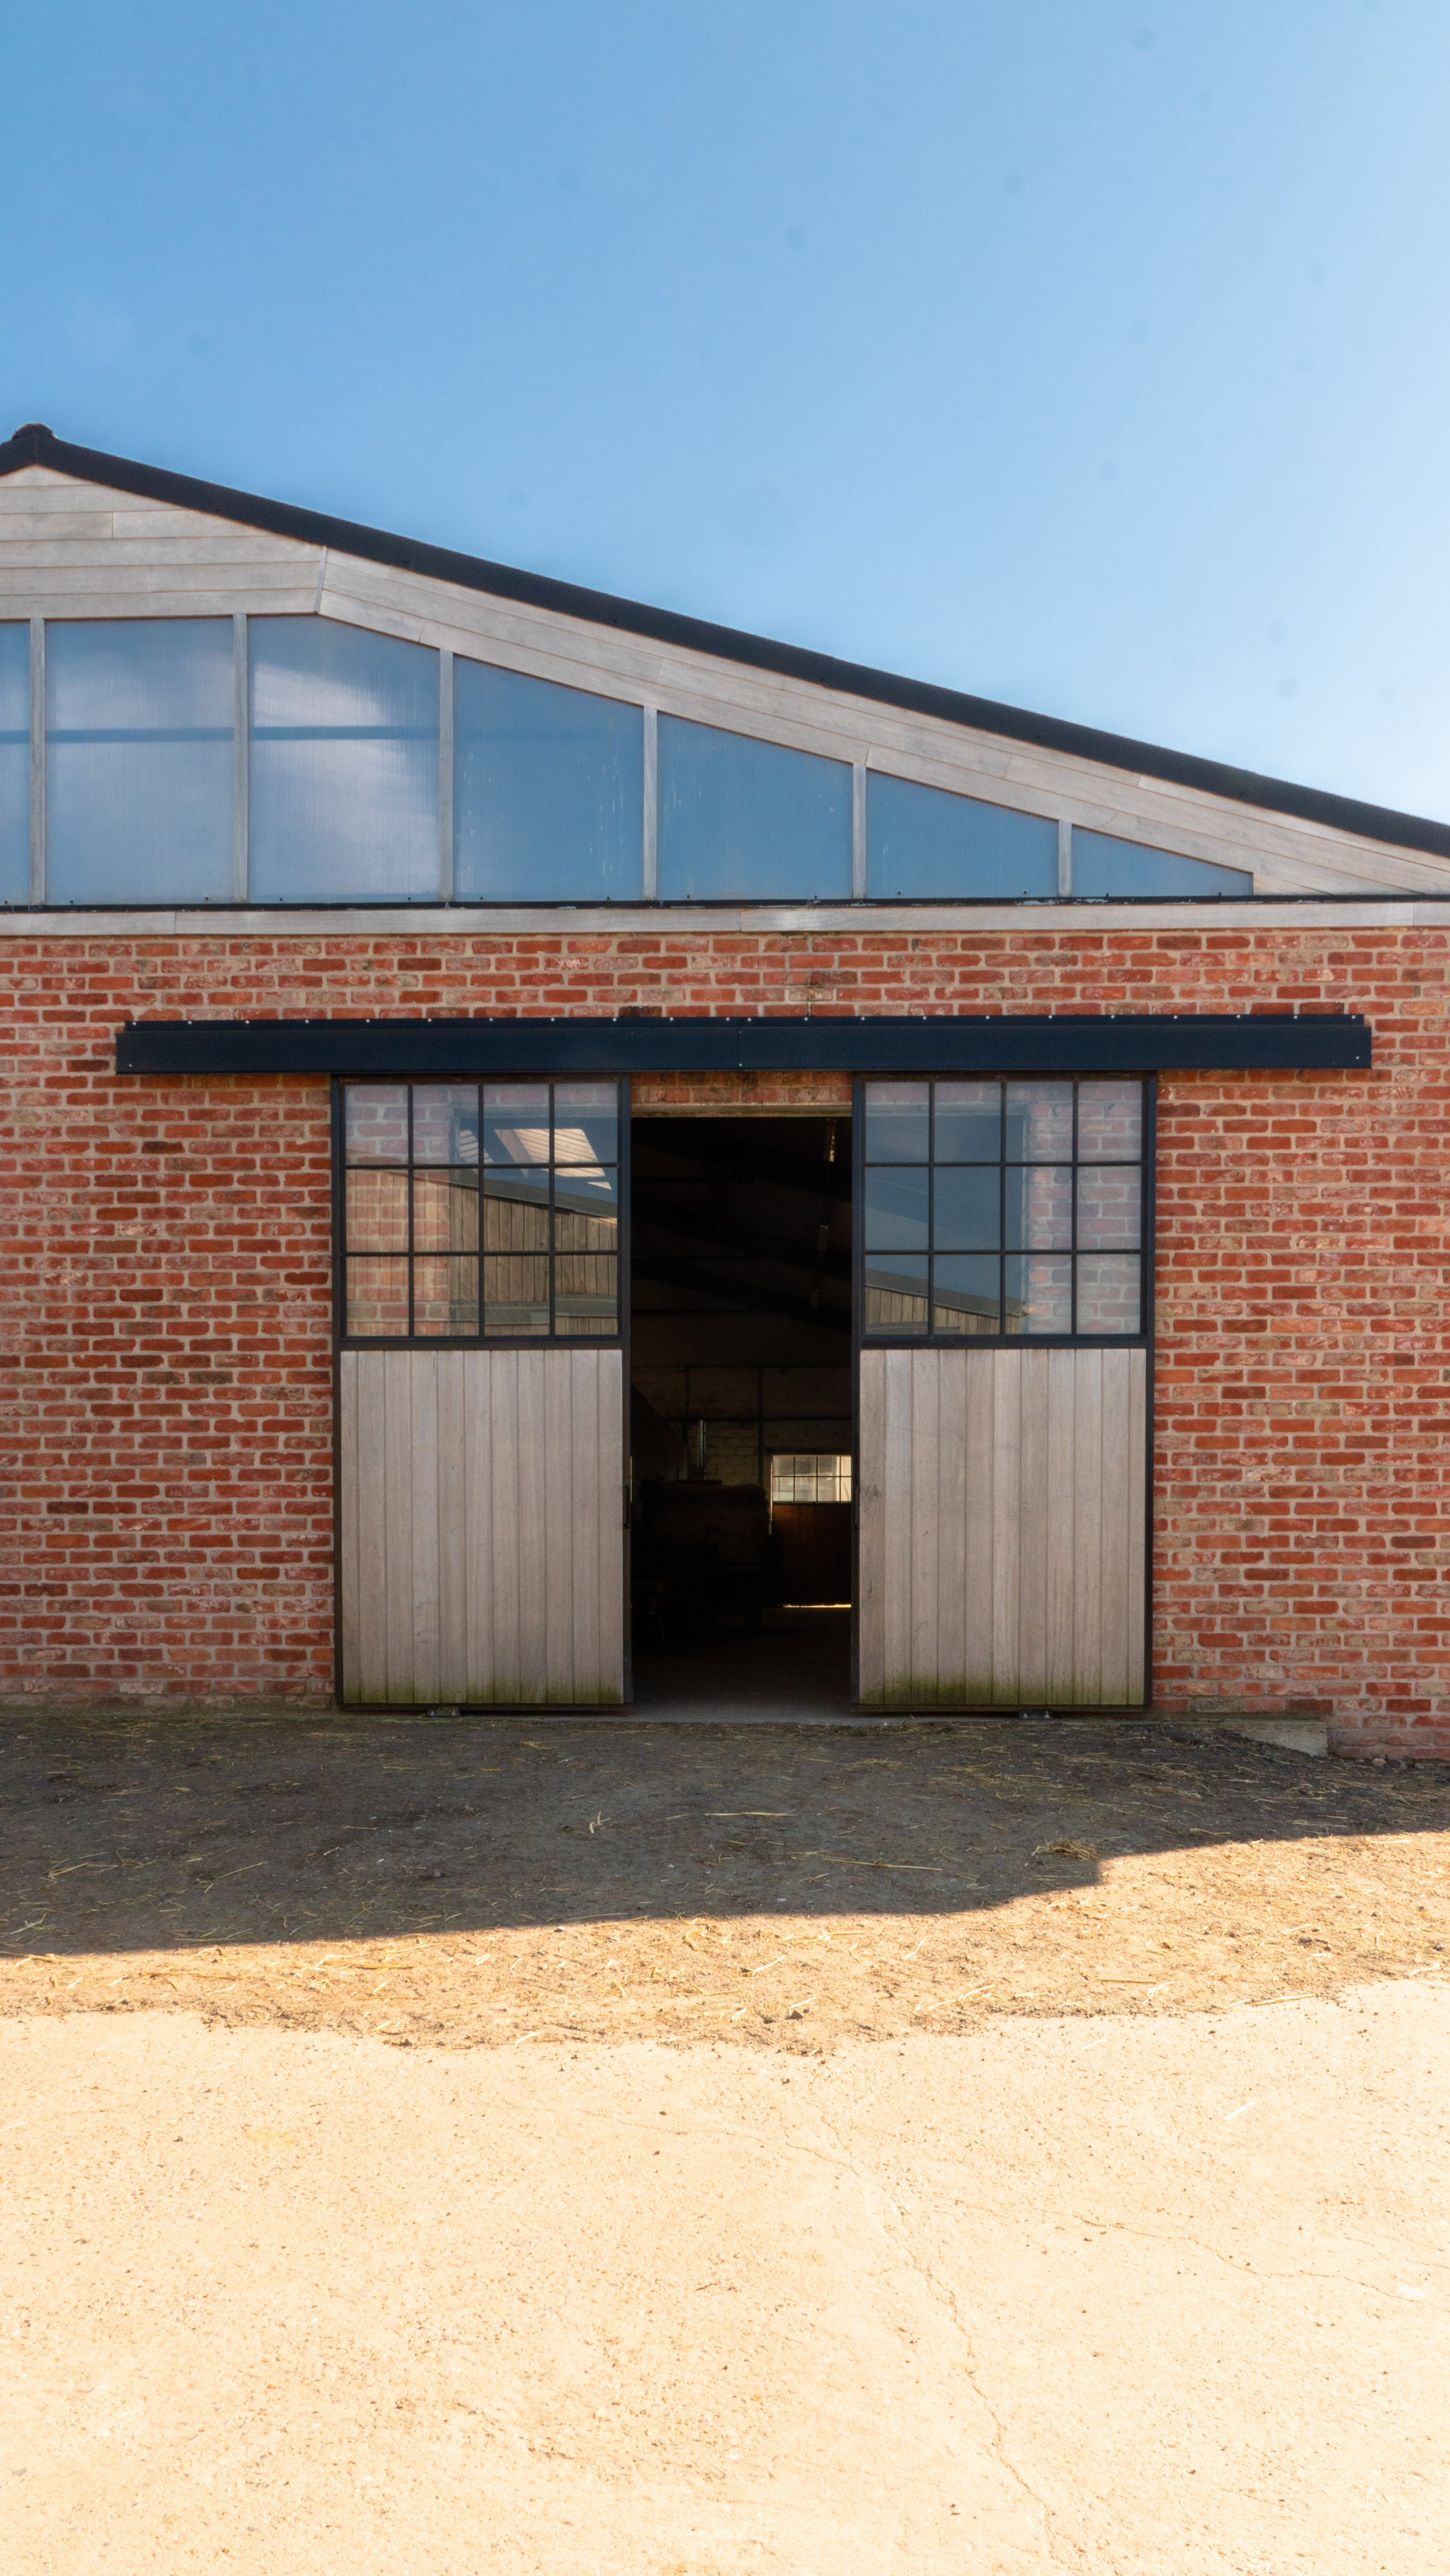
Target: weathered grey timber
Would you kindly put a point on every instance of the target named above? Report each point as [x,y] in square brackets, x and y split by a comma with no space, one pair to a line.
[1003,1556]
[482,1496]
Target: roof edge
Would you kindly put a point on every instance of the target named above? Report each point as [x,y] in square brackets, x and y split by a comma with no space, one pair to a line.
[35,444]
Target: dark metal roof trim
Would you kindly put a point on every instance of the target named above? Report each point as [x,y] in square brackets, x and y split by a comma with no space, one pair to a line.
[1254,1044]
[36,445]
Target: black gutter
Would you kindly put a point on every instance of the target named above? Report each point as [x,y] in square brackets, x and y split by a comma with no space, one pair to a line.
[36,445]
[1338,1042]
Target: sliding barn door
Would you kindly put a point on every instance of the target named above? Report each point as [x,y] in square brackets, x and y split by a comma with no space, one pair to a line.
[1003,1536]
[482,1509]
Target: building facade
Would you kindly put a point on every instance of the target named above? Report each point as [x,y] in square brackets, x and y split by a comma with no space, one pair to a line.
[479,1054]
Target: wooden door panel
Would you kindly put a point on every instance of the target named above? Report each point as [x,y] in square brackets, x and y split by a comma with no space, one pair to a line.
[1003,1516]
[482,1508]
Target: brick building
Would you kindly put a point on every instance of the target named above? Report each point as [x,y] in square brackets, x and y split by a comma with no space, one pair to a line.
[508,1093]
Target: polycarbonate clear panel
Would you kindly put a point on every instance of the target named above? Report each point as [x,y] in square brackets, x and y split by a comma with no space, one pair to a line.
[14,764]
[1103,867]
[344,764]
[749,820]
[548,791]
[139,760]
[923,841]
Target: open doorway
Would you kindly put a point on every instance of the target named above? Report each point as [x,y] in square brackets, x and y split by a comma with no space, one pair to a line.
[741,1413]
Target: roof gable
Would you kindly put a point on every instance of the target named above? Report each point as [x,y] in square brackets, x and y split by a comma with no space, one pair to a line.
[84,534]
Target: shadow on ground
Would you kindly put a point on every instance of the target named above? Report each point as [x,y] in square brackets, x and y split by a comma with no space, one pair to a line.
[129,1831]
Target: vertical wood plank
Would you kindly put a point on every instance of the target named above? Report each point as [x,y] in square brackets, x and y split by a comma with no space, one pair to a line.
[924,1667]
[576,1467]
[539,1539]
[953,1686]
[980,1532]
[424,1471]
[1115,1524]
[897,1527]
[1035,1507]
[610,1513]
[563,1495]
[870,1601]
[453,1525]
[1007,1538]
[372,1617]
[479,1682]
[584,1429]
[508,1667]
[347,1519]
[1060,1534]
[1138,1471]
[1087,1517]
[397,1375]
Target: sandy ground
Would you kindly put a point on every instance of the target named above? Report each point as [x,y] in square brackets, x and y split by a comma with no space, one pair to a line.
[1162,2294]
[449,2145]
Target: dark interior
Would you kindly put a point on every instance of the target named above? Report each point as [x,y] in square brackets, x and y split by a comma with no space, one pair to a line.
[741,1355]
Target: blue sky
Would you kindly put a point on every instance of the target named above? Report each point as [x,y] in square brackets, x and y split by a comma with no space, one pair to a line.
[1085,356]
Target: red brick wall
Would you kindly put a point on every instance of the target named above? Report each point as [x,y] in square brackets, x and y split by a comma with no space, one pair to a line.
[166,1520]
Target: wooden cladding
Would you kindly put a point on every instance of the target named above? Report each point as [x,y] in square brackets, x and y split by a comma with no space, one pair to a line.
[1003,1543]
[482,1499]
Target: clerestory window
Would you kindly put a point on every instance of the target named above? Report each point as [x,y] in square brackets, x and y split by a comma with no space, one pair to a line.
[305,760]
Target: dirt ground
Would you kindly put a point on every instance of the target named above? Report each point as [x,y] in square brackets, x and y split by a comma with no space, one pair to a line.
[476,1882]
